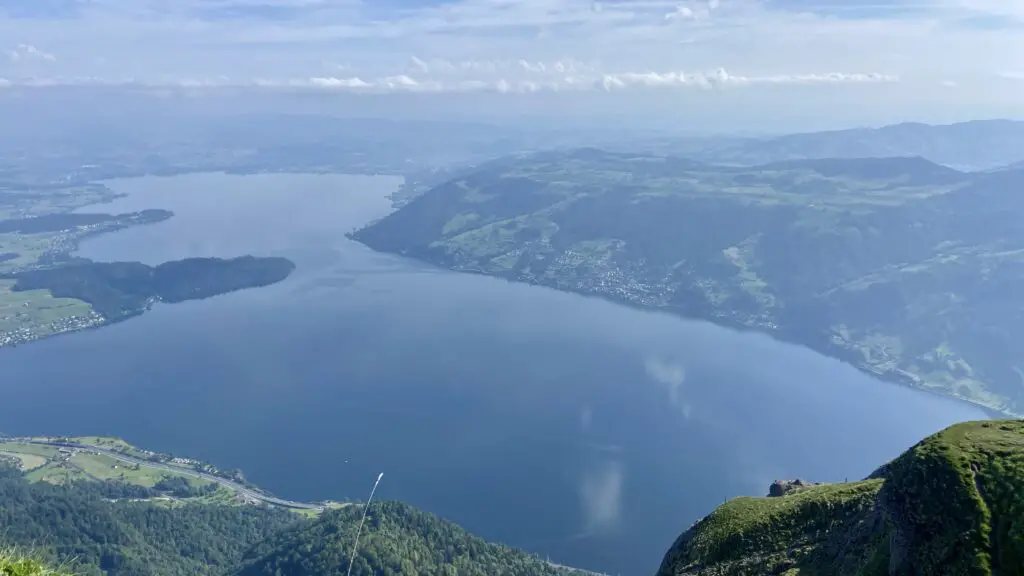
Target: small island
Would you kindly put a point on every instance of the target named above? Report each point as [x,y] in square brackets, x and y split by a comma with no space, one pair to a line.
[119,290]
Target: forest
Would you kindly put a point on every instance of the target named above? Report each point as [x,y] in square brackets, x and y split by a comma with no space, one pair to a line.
[119,290]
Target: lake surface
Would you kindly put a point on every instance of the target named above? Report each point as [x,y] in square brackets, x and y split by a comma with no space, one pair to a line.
[570,426]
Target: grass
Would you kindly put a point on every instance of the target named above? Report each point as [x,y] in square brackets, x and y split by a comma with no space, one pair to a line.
[14,563]
[113,444]
[23,448]
[28,247]
[36,311]
[771,535]
[952,505]
[104,467]
[47,464]
[26,461]
[958,497]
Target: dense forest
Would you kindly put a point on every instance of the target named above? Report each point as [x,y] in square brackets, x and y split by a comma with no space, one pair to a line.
[78,523]
[118,290]
[91,529]
[396,539]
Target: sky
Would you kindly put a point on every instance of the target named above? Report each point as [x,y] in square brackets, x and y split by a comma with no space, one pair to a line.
[828,62]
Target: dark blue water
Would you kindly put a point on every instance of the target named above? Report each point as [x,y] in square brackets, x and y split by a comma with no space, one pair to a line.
[571,426]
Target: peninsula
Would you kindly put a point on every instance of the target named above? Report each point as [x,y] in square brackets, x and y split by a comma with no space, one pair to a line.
[120,290]
[46,290]
[904,268]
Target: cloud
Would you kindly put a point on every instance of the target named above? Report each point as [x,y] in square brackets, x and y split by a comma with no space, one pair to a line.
[894,51]
[535,78]
[28,53]
[692,10]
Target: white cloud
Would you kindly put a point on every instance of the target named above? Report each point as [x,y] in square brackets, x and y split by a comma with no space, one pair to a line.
[534,79]
[692,10]
[892,54]
[28,53]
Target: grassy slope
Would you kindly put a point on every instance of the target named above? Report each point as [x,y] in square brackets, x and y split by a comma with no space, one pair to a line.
[13,563]
[951,505]
[906,269]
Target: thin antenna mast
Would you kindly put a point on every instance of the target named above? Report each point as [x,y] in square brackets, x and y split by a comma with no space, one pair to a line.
[366,508]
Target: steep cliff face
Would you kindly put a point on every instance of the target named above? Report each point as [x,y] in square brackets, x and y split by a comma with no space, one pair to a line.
[951,505]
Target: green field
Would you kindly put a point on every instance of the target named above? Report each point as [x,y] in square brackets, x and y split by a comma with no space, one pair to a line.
[47,463]
[37,313]
[25,461]
[115,444]
[44,463]
[33,314]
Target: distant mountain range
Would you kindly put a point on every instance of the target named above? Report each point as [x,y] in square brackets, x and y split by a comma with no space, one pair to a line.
[976,145]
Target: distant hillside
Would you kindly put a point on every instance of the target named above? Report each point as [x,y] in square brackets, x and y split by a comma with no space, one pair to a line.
[397,539]
[953,505]
[909,270]
[118,290]
[977,145]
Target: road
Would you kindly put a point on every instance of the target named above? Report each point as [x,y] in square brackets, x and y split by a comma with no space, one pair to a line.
[231,485]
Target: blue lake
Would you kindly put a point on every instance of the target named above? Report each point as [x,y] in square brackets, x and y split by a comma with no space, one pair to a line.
[576,428]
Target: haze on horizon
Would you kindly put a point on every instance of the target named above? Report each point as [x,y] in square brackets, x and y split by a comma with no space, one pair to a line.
[723,65]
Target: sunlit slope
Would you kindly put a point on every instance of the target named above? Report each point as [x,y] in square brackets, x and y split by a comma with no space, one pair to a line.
[14,563]
[951,505]
[909,270]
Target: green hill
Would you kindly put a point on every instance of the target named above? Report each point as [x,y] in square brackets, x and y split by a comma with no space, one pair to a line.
[951,505]
[906,269]
[396,539]
[114,528]
[119,290]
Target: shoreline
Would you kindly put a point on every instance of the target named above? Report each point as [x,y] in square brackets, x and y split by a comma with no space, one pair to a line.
[118,449]
[990,411]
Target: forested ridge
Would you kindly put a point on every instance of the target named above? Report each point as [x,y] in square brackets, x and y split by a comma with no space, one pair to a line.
[78,524]
[396,539]
[118,290]
[94,529]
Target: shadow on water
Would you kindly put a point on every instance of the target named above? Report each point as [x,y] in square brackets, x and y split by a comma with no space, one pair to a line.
[574,427]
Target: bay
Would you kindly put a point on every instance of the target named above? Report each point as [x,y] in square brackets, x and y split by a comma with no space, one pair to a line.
[571,426]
